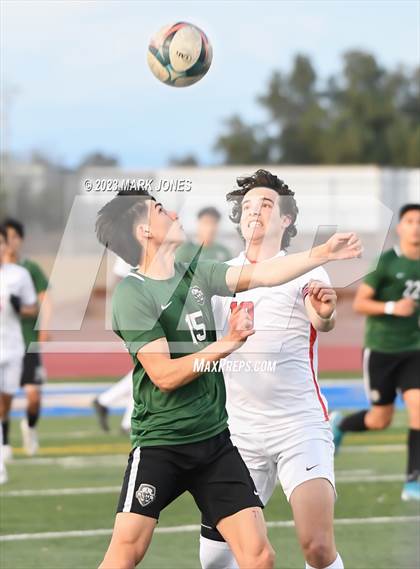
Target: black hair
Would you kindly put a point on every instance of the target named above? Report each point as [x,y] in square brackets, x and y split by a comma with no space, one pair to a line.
[265,179]
[3,232]
[212,211]
[408,207]
[116,220]
[14,224]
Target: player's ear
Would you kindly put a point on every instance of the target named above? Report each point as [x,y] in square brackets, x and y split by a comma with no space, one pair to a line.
[142,232]
[286,221]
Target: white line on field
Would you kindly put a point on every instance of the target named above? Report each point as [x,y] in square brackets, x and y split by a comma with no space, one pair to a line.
[60,492]
[74,461]
[373,448]
[113,460]
[341,479]
[196,528]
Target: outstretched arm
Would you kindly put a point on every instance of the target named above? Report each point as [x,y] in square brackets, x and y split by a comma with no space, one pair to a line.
[169,374]
[283,269]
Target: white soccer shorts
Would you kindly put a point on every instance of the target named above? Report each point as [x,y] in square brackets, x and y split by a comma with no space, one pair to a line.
[269,459]
[10,373]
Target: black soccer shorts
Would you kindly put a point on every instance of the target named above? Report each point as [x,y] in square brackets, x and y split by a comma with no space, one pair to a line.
[32,372]
[386,373]
[211,470]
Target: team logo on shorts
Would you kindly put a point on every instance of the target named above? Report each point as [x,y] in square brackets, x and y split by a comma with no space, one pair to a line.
[374,395]
[146,494]
[198,294]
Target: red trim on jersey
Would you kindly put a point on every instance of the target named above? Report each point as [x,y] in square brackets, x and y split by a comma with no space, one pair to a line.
[312,339]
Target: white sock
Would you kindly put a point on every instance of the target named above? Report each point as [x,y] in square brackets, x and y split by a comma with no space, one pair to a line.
[122,390]
[216,555]
[337,564]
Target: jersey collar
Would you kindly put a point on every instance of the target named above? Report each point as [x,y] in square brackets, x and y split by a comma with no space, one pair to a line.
[242,257]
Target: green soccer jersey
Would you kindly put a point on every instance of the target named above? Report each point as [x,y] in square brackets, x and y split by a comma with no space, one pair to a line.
[215,252]
[41,284]
[395,277]
[178,309]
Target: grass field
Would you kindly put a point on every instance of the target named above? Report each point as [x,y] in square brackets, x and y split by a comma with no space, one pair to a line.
[58,508]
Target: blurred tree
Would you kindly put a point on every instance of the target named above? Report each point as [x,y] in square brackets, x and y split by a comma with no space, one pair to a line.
[98,159]
[187,160]
[363,114]
[243,144]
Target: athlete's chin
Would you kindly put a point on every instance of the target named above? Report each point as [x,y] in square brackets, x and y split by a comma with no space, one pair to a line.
[254,235]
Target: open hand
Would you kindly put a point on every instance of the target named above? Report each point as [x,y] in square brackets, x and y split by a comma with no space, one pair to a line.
[343,246]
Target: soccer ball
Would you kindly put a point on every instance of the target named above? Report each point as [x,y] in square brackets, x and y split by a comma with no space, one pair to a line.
[179,55]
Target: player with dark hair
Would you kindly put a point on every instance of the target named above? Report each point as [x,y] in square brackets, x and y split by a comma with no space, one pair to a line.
[33,372]
[208,220]
[162,311]
[286,203]
[17,299]
[389,297]
[278,418]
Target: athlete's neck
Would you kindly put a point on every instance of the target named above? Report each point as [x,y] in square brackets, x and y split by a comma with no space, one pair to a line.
[257,251]
[158,264]
[11,258]
[411,251]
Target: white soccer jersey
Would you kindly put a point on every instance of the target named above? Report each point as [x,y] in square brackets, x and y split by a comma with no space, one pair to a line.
[15,280]
[121,268]
[272,381]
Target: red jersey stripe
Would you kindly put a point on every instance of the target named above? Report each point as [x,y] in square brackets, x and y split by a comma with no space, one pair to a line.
[313,336]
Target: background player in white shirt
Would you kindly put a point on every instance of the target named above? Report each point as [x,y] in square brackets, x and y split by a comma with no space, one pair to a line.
[17,298]
[278,418]
[122,391]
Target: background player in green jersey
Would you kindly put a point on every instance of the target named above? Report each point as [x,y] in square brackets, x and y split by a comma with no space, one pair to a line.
[33,372]
[208,220]
[162,310]
[389,297]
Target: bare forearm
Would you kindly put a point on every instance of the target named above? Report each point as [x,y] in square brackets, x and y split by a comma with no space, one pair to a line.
[45,312]
[275,271]
[169,374]
[369,307]
[323,324]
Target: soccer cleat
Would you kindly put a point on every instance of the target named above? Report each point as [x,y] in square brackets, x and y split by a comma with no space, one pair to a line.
[7,453]
[102,413]
[30,438]
[411,491]
[335,420]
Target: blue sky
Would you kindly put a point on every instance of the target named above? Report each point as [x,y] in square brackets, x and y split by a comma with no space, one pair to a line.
[82,83]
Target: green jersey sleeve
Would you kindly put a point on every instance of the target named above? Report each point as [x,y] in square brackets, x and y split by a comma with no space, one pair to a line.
[377,274]
[38,276]
[134,316]
[213,274]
